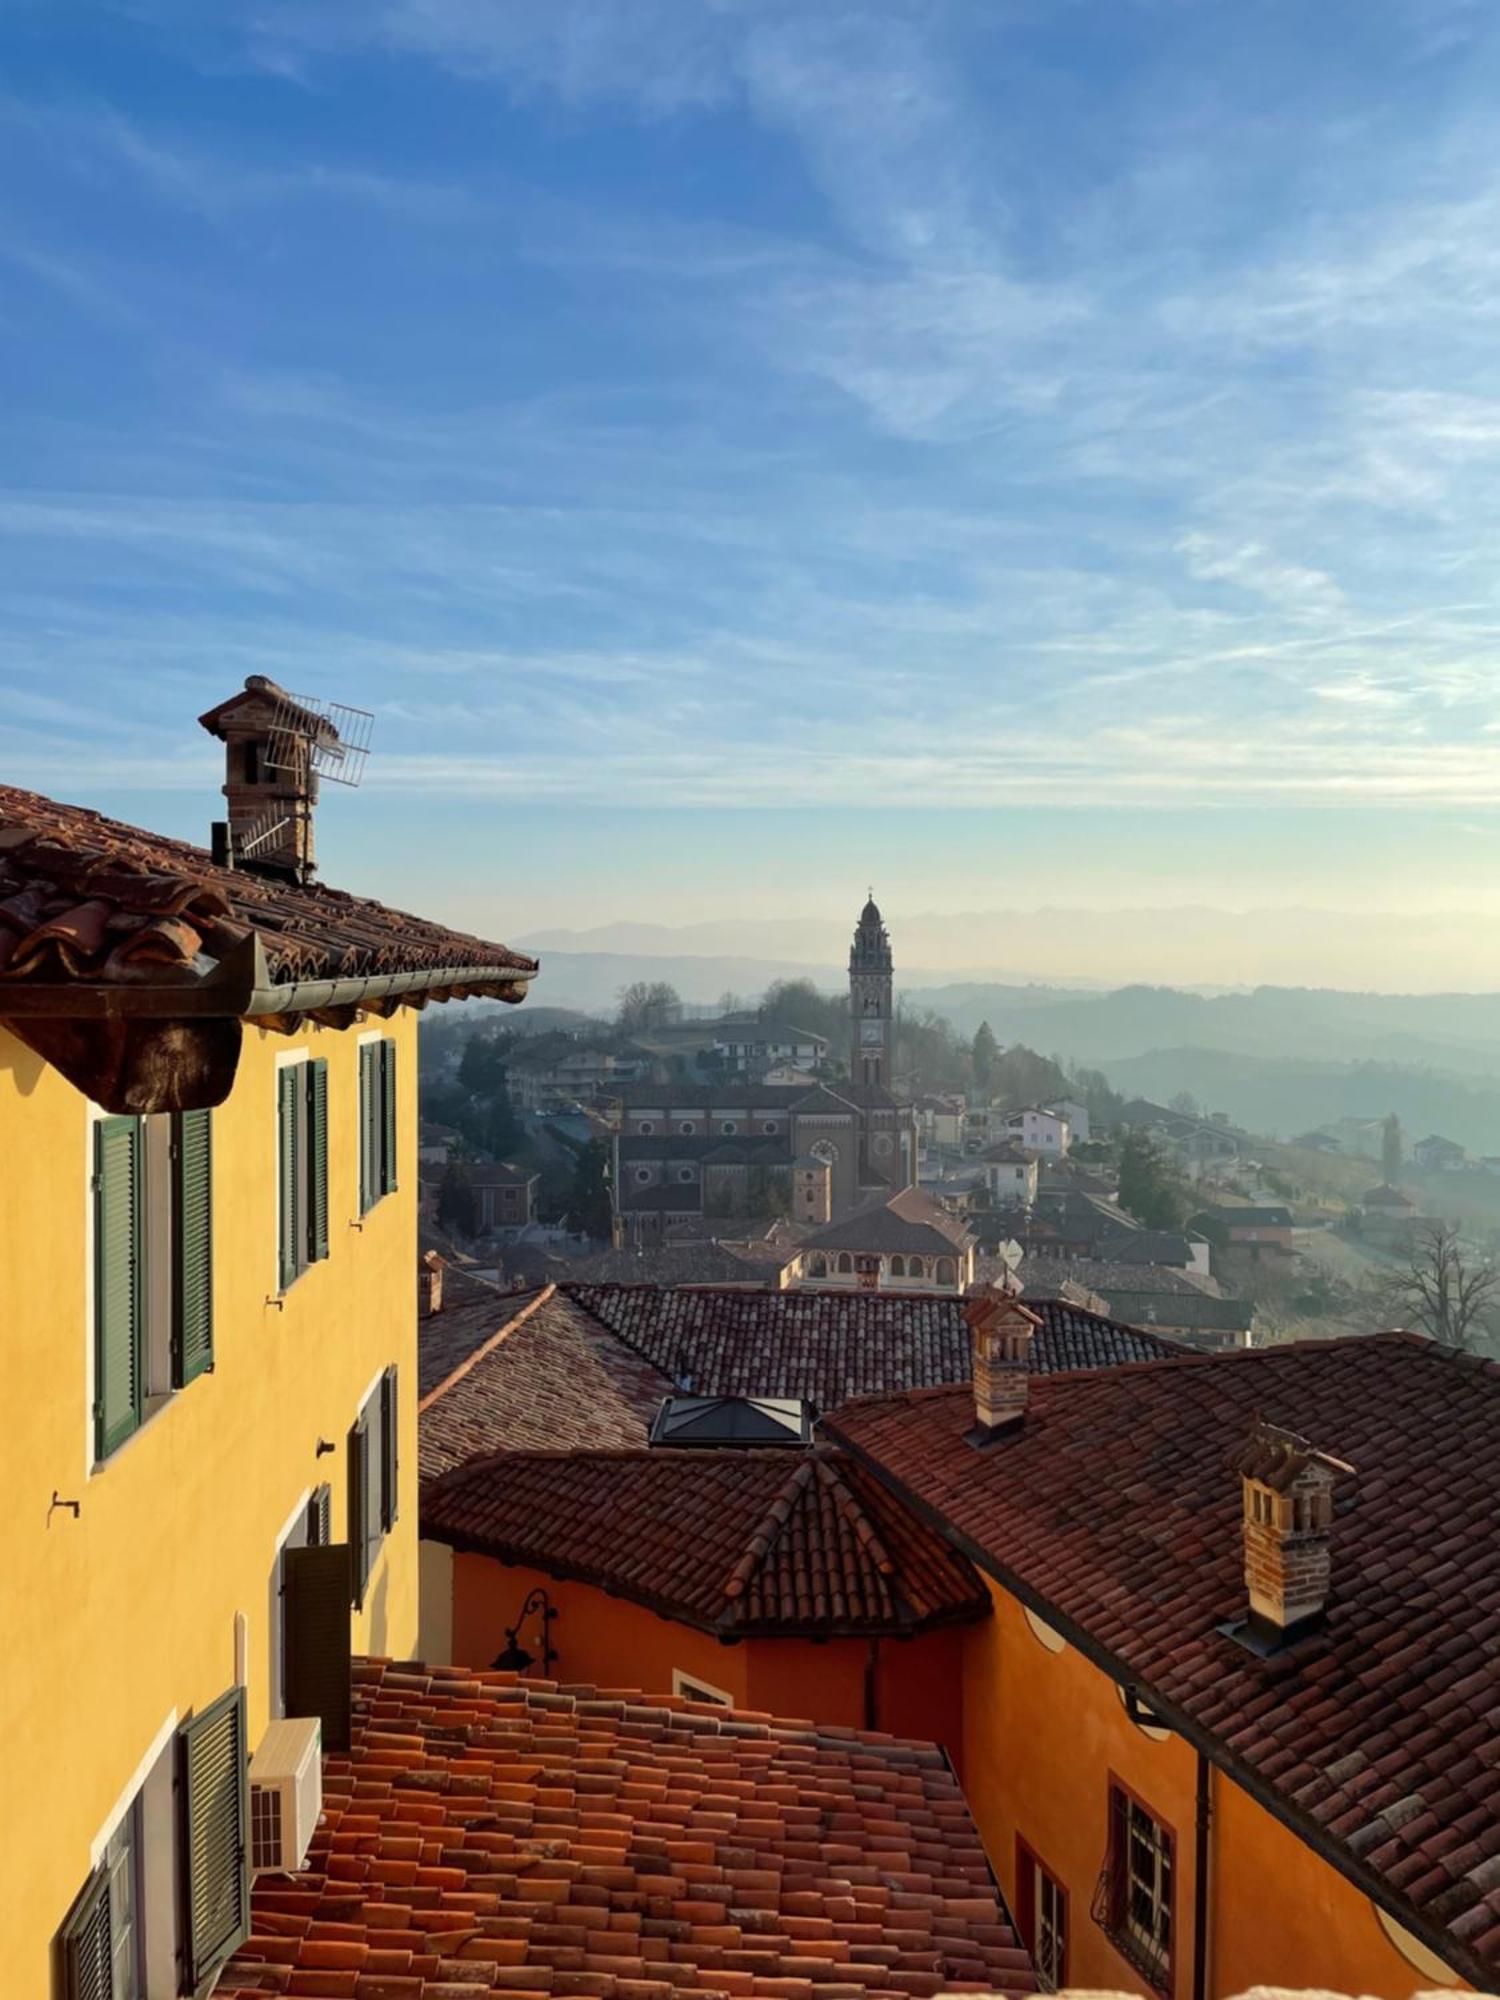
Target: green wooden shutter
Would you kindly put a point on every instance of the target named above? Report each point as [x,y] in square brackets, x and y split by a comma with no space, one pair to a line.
[214,1794]
[118,1293]
[388,1450]
[88,1971]
[388,1052]
[192,1239]
[288,1085]
[359,1566]
[319,1655]
[317,1150]
[369,1073]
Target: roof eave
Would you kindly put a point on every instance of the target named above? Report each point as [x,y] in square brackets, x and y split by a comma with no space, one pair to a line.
[241,987]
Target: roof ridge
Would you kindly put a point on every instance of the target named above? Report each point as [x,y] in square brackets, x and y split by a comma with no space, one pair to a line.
[764,1536]
[486,1347]
[850,1507]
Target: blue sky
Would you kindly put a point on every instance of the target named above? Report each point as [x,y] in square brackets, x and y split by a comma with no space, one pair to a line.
[1020,451]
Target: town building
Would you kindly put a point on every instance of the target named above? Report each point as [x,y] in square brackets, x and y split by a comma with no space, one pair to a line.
[1264,1229]
[210,1077]
[1232,1721]
[777,1577]
[729,1149]
[1010,1175]
[1036,1130]
[753,1047]
[907,1242]
[504,1195]
[1437,1155]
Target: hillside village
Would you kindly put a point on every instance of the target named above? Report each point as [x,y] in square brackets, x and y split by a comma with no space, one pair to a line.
[680,1146]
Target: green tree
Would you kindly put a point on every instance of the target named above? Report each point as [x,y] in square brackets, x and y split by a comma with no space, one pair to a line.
[798,1003]
[589,1212]
[457,1208]
[1153,1188]
[983,1055]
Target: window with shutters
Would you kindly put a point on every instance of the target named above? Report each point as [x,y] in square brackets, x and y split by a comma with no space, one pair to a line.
[377,1122]
[213,1796]
[374,1479]
[120,1939]
[152,1191]
[302,1167]
[1042,1917]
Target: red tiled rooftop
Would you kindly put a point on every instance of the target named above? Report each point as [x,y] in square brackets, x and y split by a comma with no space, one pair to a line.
[86,898]
[534,1374]
[829,1346]
[489,1836]
[1115,1511]
[737,1542]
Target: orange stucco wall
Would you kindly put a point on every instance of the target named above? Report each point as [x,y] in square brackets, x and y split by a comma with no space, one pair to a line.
[1045,1730]
[612,1642]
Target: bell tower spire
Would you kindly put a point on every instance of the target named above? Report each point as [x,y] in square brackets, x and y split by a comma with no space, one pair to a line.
[870,990]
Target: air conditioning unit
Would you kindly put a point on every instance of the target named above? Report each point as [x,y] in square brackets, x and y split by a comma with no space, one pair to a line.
[286,1793]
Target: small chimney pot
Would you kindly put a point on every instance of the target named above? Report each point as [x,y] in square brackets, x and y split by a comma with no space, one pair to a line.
[1002,1330]
[430,1284]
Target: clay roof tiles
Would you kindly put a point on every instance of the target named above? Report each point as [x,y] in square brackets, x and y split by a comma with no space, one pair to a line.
[87,898]
[829,1346]
[530,1372]
[490,1836]
[776,1541]
[1116,1511]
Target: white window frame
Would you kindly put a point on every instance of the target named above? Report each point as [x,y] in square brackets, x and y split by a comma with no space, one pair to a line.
[693,1687]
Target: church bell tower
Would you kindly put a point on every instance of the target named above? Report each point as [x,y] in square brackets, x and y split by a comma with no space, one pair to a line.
[870,1022]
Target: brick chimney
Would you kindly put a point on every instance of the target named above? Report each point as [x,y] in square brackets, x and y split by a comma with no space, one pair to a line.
[430,1284]
[1003,1330]
[270,743]
[1288,1531]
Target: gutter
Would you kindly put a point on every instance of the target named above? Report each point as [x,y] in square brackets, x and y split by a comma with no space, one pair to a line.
[239,987]
[1310,1832]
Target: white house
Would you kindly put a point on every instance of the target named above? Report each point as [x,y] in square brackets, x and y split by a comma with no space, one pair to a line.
[1077,1116]
[1037,1130]
[1010,1174]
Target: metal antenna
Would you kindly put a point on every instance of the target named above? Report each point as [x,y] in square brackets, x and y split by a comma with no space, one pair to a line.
[322,739]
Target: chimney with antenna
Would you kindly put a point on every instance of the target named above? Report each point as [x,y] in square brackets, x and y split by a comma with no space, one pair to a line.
[276,748]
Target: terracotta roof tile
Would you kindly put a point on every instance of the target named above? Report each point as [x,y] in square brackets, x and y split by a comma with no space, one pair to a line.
[488,1836]
[829,1346]
[539,1374]
[87,898]
[737,1542]
[585,1367]
[1117,1506]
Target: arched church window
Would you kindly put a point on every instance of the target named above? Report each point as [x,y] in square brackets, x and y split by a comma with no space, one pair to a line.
[915,1268]
[898,1267]
[818,1268]
[946,1274]
[846,1264]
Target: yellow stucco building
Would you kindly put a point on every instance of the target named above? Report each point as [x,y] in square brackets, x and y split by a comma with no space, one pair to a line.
[208,1316]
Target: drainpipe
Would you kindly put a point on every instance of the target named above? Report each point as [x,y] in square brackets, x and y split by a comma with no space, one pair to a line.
[1202,1850]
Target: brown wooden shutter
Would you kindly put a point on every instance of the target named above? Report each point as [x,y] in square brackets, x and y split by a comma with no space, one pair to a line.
[319,1648]
[213,1776]
[359,1570]
[320,1517]
[192,1242]
[389,1449]
[118,1292]
[87,1959]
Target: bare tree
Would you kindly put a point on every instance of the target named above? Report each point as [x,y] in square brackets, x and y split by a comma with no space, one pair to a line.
[1443,1291]
[647,1004]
